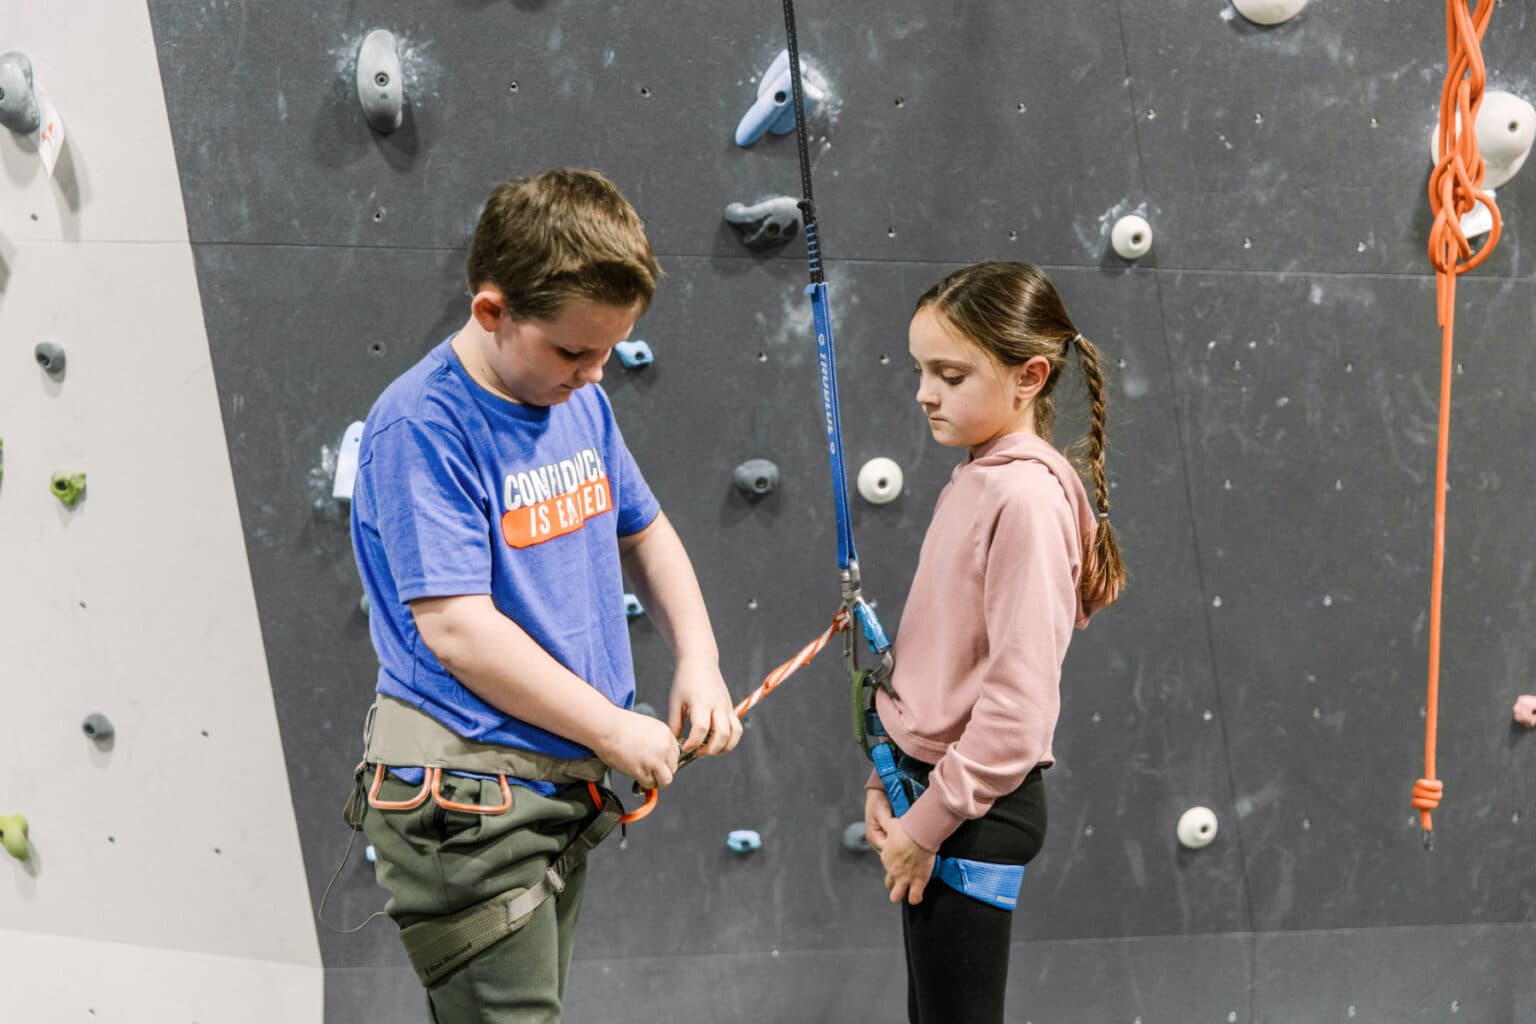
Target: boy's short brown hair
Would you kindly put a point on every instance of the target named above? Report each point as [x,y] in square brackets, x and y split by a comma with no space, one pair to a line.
[562,234]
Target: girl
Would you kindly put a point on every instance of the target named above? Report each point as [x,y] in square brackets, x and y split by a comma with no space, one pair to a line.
[1015,557]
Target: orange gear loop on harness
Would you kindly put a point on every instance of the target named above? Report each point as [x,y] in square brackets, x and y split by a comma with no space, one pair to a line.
[1455,189]
[840,622]
[432,785]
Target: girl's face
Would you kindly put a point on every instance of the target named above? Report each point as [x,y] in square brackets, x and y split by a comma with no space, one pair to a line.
[969,399]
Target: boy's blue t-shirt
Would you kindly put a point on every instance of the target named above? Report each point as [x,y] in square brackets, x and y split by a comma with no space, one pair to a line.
[459,491]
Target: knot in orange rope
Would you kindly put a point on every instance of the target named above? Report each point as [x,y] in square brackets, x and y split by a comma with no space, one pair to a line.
[1426,794]
[1455,187]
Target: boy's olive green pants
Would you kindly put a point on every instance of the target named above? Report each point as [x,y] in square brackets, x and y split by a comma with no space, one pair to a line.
[435,861]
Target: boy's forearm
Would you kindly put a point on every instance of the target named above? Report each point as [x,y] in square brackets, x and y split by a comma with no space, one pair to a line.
[663,576]
[502,665]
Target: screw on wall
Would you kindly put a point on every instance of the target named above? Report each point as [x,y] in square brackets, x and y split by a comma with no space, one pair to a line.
[380,82]
[767,224]
[67,487]
[18,98]
[50,357]
[756,478]
[13,836]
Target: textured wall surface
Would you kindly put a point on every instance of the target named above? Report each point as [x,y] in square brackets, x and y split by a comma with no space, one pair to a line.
[166,880]
[1273,420]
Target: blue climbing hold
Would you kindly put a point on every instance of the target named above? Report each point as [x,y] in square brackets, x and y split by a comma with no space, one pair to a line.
[744,840]
[370,855]
[632,606]
[774,110]
[635,354]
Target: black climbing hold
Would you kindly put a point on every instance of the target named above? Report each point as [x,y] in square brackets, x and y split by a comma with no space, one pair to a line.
[765,225]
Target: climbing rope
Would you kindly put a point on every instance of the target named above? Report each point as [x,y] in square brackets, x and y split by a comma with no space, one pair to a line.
[853,607]
[1455,189]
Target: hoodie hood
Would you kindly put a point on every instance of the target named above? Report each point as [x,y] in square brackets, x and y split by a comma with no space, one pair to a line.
[1025,446]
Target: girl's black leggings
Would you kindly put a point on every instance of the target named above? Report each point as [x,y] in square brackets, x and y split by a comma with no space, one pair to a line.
[957,946]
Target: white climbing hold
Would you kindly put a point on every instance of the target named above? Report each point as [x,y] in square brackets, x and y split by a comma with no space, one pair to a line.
[1506,128]
[1197,827]
[880,481]
[1269,12]
[380,82]
[1131,237]
[346,462]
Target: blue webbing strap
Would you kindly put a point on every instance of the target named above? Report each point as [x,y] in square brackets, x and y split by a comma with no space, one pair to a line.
[994,884]
[826,357]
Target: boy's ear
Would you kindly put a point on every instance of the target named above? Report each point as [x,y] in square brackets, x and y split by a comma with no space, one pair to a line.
[488,306]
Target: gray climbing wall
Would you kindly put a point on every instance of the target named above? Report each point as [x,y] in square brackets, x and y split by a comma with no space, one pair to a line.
[1273,411]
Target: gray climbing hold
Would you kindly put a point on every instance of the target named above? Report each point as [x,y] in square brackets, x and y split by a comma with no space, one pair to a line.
[756,477]
[98,727]
[765,225]
[645,709]
[854,838]
[18,100]
[50,357]
[380,82]
[744,840]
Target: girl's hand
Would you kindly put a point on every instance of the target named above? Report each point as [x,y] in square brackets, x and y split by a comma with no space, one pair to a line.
[908,867]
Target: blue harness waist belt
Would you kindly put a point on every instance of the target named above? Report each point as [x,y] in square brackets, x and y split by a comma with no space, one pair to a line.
[993,884]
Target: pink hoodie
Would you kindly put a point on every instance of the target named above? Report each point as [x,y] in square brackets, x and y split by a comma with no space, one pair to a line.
[985,629]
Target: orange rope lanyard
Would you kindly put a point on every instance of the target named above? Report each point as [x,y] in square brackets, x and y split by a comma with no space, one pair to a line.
[1455,188]
[840,622]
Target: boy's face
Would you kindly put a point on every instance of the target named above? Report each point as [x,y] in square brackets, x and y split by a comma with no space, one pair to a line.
[544,362]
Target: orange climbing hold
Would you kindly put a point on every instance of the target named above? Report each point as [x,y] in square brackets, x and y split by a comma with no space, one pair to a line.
[1455,189]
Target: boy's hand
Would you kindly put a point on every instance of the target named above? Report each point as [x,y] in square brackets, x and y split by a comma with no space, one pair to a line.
[640,747]
[700,695]
[908,867]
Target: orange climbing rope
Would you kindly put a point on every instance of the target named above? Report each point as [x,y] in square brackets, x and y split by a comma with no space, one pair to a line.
[840,622]
[1455,189]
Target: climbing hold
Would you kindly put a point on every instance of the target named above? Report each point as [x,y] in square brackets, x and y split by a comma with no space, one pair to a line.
[854,838]
[1269,12]
[50,357]
[880,481]
[68,487]
[346,462]
[774,110]
[744,840]
[370,854]
[632,606]
[18,99]
[765,225]
[98,727]
[756,477]
[635,354]
[13,836]
[643,708]
[365,604]
[1197,827]
[1131,237]
[380,84]
[1506,127]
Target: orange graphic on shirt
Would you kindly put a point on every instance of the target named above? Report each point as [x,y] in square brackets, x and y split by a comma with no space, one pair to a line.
[558,516]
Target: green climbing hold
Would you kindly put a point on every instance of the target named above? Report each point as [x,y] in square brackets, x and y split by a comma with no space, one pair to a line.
[68,487]
[13,835]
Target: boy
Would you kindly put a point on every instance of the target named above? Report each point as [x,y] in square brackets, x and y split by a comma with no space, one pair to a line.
[495,502]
